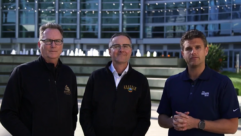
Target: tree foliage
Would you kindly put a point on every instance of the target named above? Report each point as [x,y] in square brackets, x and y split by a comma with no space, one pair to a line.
[215,58]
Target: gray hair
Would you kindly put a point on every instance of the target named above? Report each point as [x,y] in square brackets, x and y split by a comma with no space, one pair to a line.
[51,26]
[119,34]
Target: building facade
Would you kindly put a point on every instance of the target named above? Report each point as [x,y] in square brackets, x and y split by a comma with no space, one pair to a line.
[154,25]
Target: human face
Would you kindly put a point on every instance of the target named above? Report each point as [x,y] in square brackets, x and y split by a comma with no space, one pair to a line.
[51,52]
[194,52]
[122,55]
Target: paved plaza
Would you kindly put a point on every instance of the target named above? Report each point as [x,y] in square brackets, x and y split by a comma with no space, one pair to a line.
[154,129]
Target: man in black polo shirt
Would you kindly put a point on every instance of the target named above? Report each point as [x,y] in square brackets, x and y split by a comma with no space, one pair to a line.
[198,101]
[116,101]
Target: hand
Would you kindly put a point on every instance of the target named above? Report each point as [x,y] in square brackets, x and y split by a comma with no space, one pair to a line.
[182,121]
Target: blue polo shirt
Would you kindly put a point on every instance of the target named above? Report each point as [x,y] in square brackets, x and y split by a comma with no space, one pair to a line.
[210,97]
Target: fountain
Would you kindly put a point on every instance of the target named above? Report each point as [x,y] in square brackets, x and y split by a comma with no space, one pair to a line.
[138,53]
[154,54]
[148,54]
[13,52]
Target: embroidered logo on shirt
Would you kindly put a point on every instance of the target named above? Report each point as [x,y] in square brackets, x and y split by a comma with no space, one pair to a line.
[206,94]
[67,90]
[130,88]
[235,109]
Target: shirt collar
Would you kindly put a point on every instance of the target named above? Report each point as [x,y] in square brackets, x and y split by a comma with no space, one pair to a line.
[112,69]
[206,74]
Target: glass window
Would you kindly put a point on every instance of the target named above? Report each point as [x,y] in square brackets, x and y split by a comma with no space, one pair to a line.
[107,34]
[68,17]
[26,17]
[132,30]
[8,17]
[69,27]
[89,17]
[197,11]
[131,0]
[154,32]
[221,29]
[198,18]
[46,5]
[68,0]
[176,19]
[8,31]
[26,28]
[89,5]
[131,17]
[89,28]
[8,28]
[69,34]
[24,34]
[8,5]
[154,6]
[175,5]
[68,5]
[110,28]
[127,28]
[8,34]
[110,5]
[154,16]
[130,5]
[89,35]
[236,11]
[46,0]
[46,16]
[89,0]
[21,1]
[236,28]
[27,6]
[203,28]
[197,4]
[110,17]
[175,31]
[221,16]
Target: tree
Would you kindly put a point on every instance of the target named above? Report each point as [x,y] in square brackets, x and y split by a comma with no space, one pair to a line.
[215,58]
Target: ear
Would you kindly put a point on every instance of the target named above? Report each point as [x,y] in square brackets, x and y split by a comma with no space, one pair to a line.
[206,51]
[39,45]
[182,53]
[109,51]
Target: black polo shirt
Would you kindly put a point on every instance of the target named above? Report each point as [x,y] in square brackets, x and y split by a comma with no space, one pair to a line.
[210,97]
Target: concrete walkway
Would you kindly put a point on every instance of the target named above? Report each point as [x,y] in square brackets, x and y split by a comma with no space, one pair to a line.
[154,129]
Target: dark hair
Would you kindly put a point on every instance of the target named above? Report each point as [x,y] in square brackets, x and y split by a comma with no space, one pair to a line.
[189,35]
[51,26]
[118,34]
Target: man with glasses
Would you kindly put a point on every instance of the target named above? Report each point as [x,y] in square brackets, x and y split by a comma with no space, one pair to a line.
[41,96]
[116,101]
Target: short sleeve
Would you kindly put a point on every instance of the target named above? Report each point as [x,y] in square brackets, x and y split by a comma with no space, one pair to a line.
[228,101]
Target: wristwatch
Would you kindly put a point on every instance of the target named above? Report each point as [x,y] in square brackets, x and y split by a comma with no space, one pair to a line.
[201,124]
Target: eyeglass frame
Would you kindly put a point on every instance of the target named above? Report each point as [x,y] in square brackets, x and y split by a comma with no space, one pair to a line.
[128,46]
[52,41]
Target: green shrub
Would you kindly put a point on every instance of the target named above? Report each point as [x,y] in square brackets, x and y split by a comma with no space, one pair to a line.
[215,58]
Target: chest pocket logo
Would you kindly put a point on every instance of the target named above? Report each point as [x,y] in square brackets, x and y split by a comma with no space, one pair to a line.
[130,88]
[206,94]
[67,90]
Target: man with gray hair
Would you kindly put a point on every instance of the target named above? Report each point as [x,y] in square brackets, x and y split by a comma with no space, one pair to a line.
[41,96]
[116,101]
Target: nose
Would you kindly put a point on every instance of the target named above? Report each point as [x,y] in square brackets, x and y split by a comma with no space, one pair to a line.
[121,48]
[194,51]
[53,44]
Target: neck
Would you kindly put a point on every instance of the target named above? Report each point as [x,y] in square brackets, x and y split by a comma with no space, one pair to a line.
[120,67]
[53,61]
[195,72]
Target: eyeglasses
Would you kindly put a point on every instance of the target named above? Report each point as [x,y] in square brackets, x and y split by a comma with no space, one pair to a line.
[49,42]
[118,46]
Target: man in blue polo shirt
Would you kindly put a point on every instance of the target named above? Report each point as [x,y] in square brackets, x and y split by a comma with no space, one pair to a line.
[198,101]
